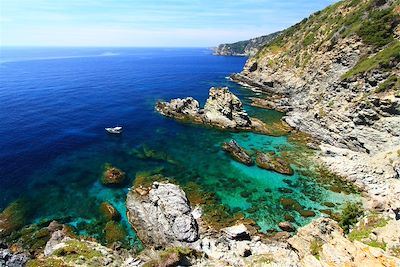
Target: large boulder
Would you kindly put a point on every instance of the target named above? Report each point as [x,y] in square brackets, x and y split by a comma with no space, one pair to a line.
[162,216]
[225,109]
[9,259]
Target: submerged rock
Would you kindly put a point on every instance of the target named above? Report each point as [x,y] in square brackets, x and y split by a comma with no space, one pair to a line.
[112,176]
[12,218]
[237,153]
[271,162]
[109,212]
[286,226]
[114,232]
[161,217]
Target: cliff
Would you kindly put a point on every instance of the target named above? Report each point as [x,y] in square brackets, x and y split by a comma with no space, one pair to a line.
[336,75]
[244,48]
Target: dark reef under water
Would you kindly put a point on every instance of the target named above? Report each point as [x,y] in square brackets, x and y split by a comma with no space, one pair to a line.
[56,103]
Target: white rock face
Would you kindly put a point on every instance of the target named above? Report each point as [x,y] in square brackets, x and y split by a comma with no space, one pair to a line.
[224,108]
[162,217]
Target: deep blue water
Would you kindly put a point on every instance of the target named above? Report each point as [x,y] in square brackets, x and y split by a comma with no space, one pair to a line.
[55,103]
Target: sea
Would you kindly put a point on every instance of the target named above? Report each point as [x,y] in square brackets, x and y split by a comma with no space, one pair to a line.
[56,102]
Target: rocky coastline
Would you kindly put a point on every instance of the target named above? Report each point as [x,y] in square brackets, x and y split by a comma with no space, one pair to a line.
[355,120]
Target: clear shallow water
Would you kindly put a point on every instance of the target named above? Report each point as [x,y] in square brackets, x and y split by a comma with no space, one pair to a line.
[55,103]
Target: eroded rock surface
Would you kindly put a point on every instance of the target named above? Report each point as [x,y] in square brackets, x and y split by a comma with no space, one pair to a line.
[162,216]
[222,110]
[322,243]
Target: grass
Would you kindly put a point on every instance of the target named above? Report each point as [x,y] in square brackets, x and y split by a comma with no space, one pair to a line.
[393,82]
[46,262]
[366,227]
[74,249]
[379,60]
[316,247]
[262,260]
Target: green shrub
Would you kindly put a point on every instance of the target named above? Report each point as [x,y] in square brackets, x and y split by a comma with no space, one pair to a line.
[349,216]
[391,83]
[381,59]
[316,247]
[378,29]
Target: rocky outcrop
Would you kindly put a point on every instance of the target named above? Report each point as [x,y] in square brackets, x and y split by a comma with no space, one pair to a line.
[222,110]
[322,243]
[161,215]
[340,83]
[270,161]
[244,48]
[9,259]
[112,176]
[237,152]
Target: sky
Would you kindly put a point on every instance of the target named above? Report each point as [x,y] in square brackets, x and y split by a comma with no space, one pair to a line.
[146,23]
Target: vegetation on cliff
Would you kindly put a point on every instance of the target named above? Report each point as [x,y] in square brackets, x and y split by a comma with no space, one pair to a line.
[374,22]
[244,48]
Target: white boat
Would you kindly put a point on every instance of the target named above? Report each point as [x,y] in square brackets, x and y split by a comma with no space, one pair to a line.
[114,130]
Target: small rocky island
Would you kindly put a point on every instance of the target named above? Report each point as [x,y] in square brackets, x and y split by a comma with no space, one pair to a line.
[222,110]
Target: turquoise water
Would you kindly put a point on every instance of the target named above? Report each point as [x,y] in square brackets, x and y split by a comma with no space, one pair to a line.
[56,103]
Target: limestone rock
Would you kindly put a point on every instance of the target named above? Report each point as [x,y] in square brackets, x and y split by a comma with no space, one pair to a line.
[286,226]
[162,217]
[9,259]
[109,212]
[323,239]
[237,232]
[225,109]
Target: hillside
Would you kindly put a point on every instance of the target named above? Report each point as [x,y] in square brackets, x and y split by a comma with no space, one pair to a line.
[244,48]
[336,75]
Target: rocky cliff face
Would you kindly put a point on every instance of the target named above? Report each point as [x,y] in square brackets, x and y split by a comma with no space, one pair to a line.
[244,48]
[336,74]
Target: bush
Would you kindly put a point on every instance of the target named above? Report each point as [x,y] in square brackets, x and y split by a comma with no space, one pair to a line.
[380,60]
[378,29]
[391,83]
[349,216]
